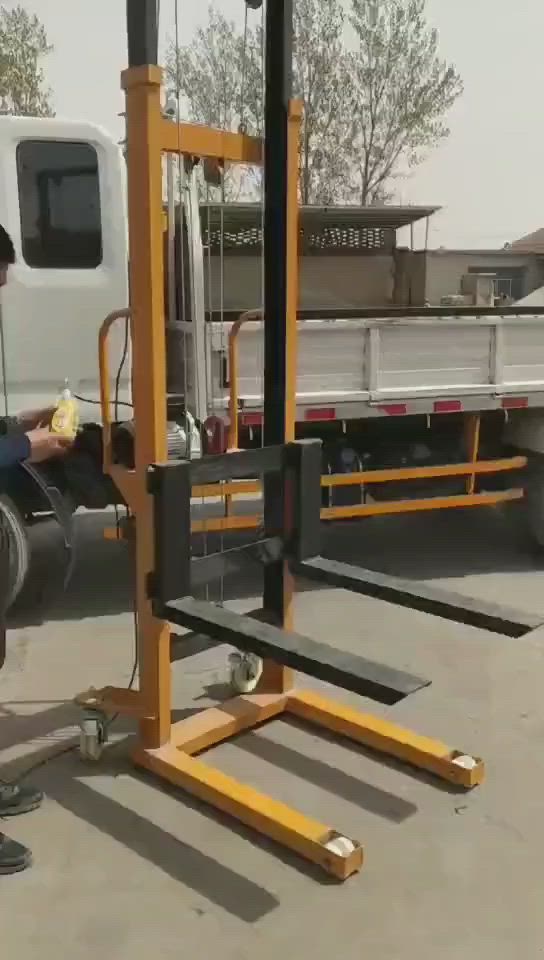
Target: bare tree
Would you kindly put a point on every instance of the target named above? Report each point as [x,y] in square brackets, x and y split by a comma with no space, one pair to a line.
[397,93]
[318,77]
[209,73]
[23,45]
[219,77]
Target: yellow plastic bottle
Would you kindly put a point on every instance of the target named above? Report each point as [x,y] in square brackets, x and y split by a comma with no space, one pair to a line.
[65,420]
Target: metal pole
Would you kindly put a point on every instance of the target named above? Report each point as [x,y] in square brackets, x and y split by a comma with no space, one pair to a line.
[170,190]
[278,89]
[278,83]
[142,84]
[142,33]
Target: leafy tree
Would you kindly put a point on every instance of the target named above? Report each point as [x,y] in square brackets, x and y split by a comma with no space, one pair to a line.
[398,93]
[23,45]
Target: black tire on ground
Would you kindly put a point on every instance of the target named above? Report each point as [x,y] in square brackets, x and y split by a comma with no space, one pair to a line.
[46,575]
[14,551]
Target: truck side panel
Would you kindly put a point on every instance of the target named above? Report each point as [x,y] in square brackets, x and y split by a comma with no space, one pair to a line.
[371,367]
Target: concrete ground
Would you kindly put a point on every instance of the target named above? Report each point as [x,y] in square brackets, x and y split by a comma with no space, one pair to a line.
[129,869]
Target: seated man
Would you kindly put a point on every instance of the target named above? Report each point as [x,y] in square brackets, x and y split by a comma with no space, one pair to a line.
[30,440]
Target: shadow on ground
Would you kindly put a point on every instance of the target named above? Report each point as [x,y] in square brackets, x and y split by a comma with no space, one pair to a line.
[441,545]
[446,545]
[91,793]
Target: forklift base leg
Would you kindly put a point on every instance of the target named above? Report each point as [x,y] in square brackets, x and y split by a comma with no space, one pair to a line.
[336,854]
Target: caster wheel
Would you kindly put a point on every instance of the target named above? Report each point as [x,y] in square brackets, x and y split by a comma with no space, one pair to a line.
[245,672]
[93,737]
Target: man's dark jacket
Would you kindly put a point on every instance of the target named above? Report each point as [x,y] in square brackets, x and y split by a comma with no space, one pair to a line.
[13,449]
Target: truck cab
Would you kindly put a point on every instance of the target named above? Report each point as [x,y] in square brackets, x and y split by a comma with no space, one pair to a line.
[62,200]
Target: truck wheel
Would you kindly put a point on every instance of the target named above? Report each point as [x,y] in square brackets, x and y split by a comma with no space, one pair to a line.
[14,548]
[46,572]
[340,458]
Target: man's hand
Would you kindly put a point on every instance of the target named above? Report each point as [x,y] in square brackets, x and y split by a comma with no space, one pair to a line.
[32,419]
[44,445]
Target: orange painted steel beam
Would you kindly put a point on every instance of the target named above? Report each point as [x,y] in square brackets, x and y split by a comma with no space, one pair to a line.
[423,473]
[105,395]
[472,437]
[194,140]
[414,506]
[214,490]
[269,817]
[144,126]
[385,737]
[373,476]
[206,728]
[248,317]
[234,522]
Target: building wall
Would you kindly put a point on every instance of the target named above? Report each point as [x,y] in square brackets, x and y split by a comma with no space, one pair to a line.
[325,281]
[445,269]
[410,277]
[368,280]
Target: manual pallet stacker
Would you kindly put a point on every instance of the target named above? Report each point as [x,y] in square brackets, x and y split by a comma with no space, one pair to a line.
[158,493]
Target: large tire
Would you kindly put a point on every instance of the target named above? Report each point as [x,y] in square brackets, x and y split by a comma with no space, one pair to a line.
[339,457]
[38,540]
[14,549]
[46,575]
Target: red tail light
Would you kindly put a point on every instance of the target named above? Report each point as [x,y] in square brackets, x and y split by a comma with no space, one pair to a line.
[447,406]
[320,414]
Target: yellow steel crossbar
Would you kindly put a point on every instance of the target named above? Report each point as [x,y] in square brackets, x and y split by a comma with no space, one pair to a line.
[423,473]
[194,140]
[369,477]
[414,506]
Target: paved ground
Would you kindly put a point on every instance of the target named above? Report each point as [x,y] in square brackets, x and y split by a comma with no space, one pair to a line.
[129,869]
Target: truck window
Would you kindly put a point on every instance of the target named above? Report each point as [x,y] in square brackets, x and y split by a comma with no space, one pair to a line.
[59,201]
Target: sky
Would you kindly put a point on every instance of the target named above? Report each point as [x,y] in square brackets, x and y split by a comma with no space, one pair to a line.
[488,176]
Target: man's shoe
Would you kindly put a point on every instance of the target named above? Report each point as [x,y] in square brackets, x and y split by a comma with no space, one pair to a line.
[18,798]
[13,856]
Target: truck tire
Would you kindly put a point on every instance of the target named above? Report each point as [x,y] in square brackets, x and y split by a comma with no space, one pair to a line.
[15,549]
[339,457]
[39,536]
[45,575]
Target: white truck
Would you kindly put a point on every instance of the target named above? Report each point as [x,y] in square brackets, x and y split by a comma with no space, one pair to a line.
[384,389]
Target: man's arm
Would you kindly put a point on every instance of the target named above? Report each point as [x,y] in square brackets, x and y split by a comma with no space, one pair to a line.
[36,446]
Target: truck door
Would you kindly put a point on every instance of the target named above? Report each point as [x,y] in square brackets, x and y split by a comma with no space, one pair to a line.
[62,201]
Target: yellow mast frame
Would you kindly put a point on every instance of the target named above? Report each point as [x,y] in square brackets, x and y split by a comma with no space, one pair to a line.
[169,749]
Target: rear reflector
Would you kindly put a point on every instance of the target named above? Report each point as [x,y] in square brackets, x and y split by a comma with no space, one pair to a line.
[395,409]
[251,419]
[447,406]
[515,403]
[320,413]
